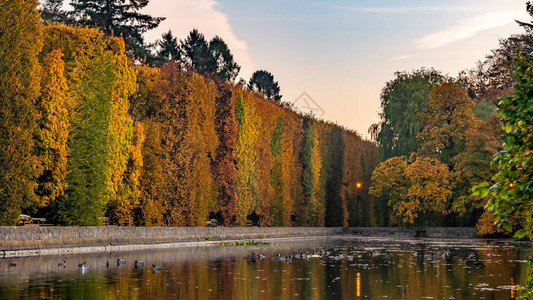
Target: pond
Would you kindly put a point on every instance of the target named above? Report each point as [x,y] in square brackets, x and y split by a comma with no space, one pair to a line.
[347,268]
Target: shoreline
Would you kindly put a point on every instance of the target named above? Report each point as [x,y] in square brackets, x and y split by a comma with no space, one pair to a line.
[39,241]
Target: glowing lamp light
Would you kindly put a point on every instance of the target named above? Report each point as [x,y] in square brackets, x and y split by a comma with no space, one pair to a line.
[358,185]
[358,285]
[511,185]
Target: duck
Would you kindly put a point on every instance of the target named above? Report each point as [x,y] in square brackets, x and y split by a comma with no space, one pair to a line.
[120,262]
[261,256]
[106,264]
[156,269]
[82,265]
[139,264]
[84,269]
[62,264]
[11,264]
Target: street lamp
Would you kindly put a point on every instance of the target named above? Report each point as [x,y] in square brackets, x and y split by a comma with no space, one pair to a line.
[358,185]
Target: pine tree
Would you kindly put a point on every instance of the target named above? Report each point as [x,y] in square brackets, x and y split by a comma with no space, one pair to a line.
[168,48]
[20,43]
[119,18]
[52,11]
[263,82]
[213,57]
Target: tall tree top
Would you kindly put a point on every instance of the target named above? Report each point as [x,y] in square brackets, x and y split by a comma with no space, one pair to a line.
[263,82]
[117,17]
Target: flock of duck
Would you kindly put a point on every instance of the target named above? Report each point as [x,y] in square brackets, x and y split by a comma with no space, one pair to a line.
[444,254]
[85,268]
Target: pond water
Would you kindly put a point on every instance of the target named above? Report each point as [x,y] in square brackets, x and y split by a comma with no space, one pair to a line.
[349,268]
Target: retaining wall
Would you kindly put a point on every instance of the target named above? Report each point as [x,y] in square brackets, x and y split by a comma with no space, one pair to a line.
[28,241]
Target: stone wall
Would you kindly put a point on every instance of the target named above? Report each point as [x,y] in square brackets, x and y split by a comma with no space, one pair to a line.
[29,241]
[428,232]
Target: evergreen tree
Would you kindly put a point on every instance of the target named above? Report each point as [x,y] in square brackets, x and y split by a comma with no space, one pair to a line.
[20,43]
[223,65]
[196,54]
[119,18]
[168,48]
[213,57]
[263,82]
[52,11]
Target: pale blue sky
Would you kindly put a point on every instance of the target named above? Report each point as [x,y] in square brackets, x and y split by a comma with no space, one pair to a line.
[342,52]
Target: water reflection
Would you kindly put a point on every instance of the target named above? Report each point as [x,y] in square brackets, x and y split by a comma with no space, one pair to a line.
[320,269]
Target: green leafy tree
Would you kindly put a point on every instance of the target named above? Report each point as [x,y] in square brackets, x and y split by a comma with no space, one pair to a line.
[20,43]
[119,18]
[100,81]
[263,82]
[512,192]
[403,102]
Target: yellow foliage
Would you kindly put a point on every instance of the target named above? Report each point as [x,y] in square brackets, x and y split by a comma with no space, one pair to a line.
[246,177]
[54,126]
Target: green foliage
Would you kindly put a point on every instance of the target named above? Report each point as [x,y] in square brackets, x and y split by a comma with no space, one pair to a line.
[308,215]
[20,43]
[168,48]
[263,82]
[100,81]
[403,102]
[245,177]
[213,57]
[336,214]
[118,18]
[526,292]
[512,192]
[52,11]
[484,109]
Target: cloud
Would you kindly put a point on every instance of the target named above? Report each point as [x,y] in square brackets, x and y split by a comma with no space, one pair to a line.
[184,15]
[467,28]
[402,57]
[405,9]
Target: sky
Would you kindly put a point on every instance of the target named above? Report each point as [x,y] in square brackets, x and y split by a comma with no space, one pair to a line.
[336,56]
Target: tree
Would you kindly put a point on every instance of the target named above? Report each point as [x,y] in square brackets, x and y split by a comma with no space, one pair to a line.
[223,65]
[53,129]
[512,192]
[263,82]
[196,54]
[213,57]
[527,26]
[100,80]
[447,119]
[168,48]
[414,188]
[492,77]
[52,11]
[119,18]
[20,43]
[403,102]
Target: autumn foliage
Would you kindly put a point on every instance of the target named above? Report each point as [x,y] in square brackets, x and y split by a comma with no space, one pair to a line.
[94,135]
